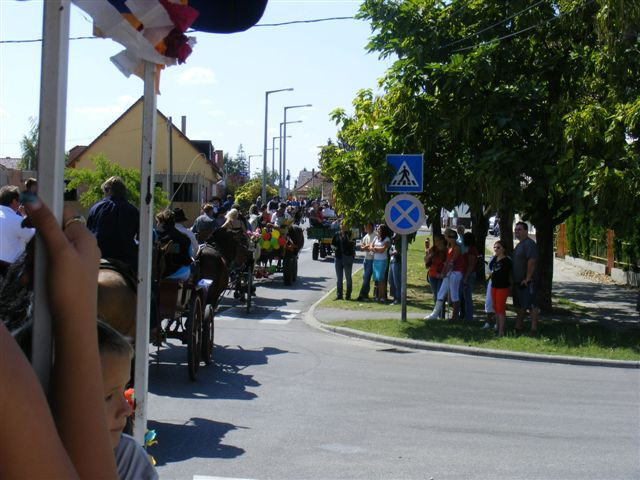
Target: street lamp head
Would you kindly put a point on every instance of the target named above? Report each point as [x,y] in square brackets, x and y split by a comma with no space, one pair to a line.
[279,90]
[298,106]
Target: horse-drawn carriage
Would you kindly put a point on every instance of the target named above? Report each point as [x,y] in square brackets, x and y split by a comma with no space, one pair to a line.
[184,313]
[279,244]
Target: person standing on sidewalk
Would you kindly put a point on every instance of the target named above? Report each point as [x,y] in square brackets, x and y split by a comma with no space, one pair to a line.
[452,277]
[469,275]
[434,260]
[501,267]
[380,250]
[345,251]
[365,245]
[525,259]
[395,269]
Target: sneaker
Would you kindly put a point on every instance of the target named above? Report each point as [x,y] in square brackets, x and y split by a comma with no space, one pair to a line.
[486,326]
[339,297]
[431,316]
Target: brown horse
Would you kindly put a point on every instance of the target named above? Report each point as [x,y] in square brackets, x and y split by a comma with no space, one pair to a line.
[117,299]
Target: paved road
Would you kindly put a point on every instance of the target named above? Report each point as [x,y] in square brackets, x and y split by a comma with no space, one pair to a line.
[285,401]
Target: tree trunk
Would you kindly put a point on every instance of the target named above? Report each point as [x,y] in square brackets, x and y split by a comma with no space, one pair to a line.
[506,233]
[544,239]
[435,224]
[480,225]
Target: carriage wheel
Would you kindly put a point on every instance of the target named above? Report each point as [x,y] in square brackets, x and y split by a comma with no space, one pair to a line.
[287,270]
[207,335]
[249,284]
[194,335]
[295,268]
[315,252]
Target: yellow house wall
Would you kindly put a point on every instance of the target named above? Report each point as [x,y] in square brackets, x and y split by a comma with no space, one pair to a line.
[122,143]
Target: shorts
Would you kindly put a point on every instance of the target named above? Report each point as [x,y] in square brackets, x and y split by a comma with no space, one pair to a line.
[525,298]
[499,297]
[379,270]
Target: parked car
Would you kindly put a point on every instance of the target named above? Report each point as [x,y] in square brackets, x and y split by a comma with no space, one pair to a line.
[494,225]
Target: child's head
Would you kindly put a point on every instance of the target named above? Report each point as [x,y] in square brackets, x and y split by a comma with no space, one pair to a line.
[115,357]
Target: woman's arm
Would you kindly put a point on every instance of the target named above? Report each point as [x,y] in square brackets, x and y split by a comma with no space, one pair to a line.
[74,258]
[29,443]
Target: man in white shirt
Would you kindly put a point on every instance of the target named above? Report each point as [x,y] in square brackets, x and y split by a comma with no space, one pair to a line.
[13,238]
[365,245]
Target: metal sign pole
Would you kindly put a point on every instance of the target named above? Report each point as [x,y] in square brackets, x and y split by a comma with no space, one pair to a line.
[53,112]
[147,184]
[404,278]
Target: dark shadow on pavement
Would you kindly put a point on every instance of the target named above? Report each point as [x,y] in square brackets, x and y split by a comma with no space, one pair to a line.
[222,379]
[198,438]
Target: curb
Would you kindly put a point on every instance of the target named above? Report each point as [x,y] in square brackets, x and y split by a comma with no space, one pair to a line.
[310,319]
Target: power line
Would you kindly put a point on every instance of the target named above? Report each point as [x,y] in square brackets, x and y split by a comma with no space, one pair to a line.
[293,22]
[315,20]
[493,26]
[531,27]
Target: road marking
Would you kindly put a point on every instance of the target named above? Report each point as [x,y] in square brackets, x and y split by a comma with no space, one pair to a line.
[207,477]
[280,316]
[277,316]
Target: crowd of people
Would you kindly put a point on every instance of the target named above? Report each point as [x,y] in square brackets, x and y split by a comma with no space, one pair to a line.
[451,265]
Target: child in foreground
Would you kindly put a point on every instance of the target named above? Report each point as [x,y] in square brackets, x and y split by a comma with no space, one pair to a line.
[116,353]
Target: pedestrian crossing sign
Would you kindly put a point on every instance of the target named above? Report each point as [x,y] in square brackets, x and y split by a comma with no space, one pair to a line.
[407,173]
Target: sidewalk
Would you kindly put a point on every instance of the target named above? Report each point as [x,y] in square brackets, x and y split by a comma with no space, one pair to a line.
[604,301]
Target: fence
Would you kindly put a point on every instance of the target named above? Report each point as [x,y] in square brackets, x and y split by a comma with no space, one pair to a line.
[609,252]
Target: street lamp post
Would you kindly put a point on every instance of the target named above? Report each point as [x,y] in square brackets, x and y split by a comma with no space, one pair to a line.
[249,164]
[273,152]
[280,151]
[284,145]
[264,150]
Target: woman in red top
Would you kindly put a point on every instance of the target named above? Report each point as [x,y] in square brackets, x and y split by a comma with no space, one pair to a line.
[451,278]
[434,260]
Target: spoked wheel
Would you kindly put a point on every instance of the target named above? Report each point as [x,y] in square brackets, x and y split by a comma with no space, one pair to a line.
[249,284]
[295,268]
[207,335]
[194,335]
[287,270]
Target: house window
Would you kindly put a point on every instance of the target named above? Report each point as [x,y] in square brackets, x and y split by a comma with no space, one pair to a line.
[183,192]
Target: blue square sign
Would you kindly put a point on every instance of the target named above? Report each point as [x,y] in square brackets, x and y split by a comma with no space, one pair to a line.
[407,173]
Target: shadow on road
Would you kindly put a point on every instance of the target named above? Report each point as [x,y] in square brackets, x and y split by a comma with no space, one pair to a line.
[198,438]
[223,379]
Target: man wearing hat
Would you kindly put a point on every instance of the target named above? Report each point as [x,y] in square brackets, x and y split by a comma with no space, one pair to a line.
[180,218]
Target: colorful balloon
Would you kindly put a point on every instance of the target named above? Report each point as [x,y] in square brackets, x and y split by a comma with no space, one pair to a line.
[282,241]
[275,233]
[266,245]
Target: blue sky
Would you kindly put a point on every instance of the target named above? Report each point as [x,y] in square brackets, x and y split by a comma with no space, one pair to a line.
[220,88]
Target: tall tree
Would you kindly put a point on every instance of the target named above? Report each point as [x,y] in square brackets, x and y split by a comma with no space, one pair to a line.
[29,146]
[91,180]
[235,169]
[484,89]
